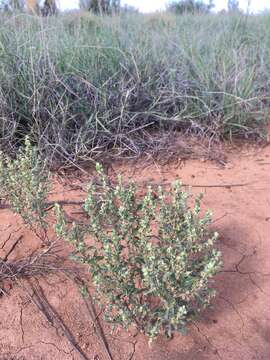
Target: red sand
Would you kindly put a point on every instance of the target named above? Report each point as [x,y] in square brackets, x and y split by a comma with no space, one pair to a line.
[239,325]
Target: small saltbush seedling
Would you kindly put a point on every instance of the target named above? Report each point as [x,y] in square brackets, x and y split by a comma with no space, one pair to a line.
[152,258]
[24,183]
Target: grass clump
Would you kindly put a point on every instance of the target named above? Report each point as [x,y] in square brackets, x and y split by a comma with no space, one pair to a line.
[152,257]
[82,85]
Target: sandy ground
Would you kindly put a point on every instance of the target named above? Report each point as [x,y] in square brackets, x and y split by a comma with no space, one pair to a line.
[238,326]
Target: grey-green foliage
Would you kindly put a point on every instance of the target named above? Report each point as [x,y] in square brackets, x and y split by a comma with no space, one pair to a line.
[152,258]
[24,183]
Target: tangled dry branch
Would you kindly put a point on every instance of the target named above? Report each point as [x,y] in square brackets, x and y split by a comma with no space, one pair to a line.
[37,264]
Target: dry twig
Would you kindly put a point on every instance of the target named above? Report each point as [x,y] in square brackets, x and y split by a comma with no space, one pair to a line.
[37,264]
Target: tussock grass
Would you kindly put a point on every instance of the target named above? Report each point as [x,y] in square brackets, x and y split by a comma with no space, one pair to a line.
[82,85]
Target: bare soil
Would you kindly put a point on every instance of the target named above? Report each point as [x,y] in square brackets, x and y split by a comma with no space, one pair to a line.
[238,326]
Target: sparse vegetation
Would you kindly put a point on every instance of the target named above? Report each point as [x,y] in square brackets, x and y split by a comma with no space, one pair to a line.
[24,183]
[152,258]
[82,85]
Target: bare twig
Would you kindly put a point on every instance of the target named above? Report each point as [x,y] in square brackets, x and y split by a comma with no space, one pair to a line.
[37,264]
[229,185]
[12,248]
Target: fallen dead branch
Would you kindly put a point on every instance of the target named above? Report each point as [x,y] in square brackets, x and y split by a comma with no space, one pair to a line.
[39,299]
[89,303]
[12,248]
[218,185]
[229,185]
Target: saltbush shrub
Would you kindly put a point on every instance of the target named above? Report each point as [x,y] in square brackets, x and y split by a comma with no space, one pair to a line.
[151,257]
[25,183]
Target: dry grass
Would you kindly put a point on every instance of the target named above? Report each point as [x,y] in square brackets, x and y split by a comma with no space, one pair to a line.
[83,86]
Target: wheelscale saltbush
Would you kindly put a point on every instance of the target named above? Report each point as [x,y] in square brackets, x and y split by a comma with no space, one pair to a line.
[151,258]
[24,183]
